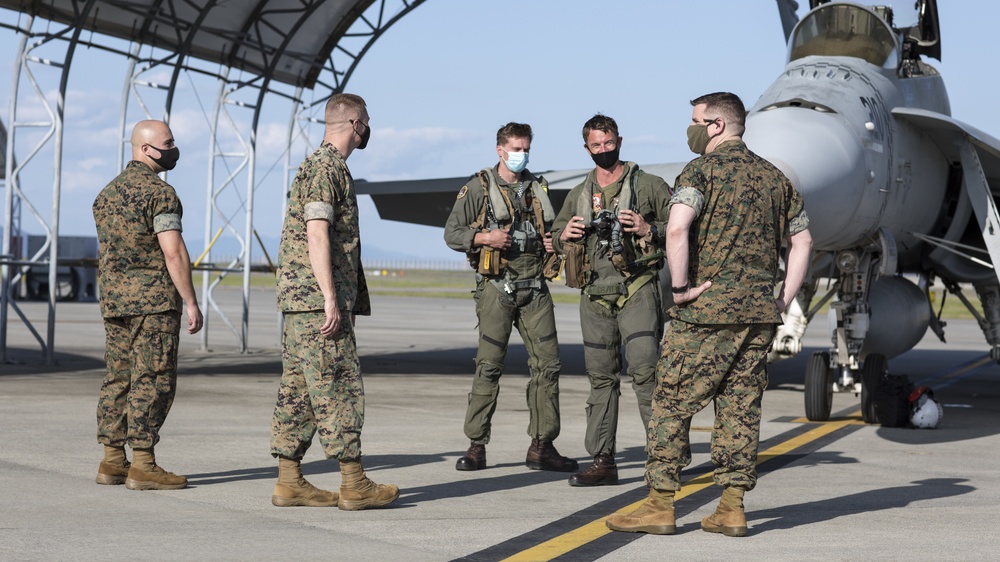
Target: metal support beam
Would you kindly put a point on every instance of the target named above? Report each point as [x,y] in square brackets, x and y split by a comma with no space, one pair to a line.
[270,33]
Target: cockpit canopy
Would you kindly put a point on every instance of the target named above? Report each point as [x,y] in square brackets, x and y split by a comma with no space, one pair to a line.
[844,30]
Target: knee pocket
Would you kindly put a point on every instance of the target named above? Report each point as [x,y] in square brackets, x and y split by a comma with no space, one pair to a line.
[489,370]
[600,383]
[642,379]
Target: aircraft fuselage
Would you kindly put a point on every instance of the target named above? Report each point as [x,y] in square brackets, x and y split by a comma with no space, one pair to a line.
[827,123]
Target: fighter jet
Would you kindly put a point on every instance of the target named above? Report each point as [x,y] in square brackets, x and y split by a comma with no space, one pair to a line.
[899,194]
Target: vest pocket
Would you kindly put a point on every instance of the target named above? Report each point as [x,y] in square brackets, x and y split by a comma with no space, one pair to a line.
[575,256]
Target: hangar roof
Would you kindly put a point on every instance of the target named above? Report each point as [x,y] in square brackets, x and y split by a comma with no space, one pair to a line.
[290,41]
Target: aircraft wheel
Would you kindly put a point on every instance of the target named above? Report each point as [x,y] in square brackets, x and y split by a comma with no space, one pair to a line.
[875,367]
[819,387]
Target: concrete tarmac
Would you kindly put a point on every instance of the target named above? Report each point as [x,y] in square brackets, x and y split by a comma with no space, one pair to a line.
[840,490]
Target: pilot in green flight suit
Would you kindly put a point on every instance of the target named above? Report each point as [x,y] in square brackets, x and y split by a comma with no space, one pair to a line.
[610,232]
[500,221]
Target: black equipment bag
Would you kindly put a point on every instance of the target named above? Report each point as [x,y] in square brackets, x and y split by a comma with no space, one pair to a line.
[892,401]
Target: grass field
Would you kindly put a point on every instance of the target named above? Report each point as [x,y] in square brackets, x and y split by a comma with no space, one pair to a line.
[459,284]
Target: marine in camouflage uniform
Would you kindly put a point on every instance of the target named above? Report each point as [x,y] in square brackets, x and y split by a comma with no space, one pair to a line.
[321,387]
[510,291]
[620,305]
[142,265]
[730,213]
[321,288]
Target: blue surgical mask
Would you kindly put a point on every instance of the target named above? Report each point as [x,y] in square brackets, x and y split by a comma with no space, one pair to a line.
[516,161]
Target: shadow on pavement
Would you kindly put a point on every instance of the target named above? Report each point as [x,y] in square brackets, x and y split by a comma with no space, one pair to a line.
[22,361]
[791,516]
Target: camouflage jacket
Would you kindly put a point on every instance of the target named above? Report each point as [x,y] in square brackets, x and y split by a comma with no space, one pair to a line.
[323,190]
[132,272]
[744,208]
[523,263]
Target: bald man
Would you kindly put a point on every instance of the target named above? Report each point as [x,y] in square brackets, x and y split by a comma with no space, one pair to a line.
[145,278]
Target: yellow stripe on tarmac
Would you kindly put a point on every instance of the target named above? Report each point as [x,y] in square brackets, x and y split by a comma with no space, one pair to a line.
[596,529]
[964,370]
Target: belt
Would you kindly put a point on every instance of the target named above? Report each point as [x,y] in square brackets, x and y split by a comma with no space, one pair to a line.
[625,289]
[509,287]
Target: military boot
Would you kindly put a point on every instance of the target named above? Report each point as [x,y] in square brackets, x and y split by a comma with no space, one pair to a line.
[604,472]
[542,455]
[114,468]
[357,491]
[729,517]
[655,516]
[294,490]
[473,459]
[146,475]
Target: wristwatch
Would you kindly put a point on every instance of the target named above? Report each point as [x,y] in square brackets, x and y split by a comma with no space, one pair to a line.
[682,289]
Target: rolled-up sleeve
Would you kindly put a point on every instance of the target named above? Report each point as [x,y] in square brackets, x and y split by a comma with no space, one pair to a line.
[318,210]
[686,195]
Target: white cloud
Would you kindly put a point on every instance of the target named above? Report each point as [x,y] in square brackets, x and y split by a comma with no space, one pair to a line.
[420,152]
[89,179]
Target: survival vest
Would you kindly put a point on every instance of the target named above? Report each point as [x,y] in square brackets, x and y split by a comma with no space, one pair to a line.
[498,212]
[635,259]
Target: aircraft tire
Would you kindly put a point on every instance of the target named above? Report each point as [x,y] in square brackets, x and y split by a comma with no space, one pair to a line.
[818,387]
[874,368]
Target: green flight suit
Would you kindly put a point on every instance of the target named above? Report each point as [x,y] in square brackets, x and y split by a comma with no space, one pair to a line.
[519,297]
[615,308]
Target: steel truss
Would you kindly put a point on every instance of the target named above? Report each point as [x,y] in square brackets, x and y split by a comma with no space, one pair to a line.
[242,89]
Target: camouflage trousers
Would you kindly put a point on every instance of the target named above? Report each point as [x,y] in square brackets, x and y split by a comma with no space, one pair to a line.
[637,325]
[533,313]
[700,364]
[138,388]
[321,389]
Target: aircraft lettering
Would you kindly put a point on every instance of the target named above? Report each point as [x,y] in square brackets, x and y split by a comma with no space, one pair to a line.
[876,115]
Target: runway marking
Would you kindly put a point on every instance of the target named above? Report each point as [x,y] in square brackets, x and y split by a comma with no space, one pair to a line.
[947,379]
[596,529]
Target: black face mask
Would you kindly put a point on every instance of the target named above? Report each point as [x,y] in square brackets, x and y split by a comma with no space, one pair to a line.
[364,137]
[168,157]
[606,160]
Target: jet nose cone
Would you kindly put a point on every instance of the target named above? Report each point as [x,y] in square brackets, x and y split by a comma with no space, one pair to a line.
[824,160]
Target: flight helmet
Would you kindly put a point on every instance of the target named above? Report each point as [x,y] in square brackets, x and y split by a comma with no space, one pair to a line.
[925,412]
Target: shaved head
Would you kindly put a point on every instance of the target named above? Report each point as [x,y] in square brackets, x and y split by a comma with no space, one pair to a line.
[149,132]
[150,138]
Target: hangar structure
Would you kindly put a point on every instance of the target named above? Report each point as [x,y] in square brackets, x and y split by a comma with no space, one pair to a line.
[302,51]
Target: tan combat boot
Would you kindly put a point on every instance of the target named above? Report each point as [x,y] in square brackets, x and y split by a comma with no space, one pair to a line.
[294,490]
[146,475]
[655,516]
[729,517]
[114,468]
[357,491]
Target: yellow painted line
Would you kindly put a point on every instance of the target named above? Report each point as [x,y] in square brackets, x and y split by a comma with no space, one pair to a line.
[975,365]
[852,418]
[596,529]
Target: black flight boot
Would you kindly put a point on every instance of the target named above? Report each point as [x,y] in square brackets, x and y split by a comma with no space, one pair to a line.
[473,459]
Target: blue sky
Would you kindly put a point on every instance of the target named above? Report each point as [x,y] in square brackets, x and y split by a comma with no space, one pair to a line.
[443,79]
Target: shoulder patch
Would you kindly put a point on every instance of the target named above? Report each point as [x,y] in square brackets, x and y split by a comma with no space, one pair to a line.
[462,192]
